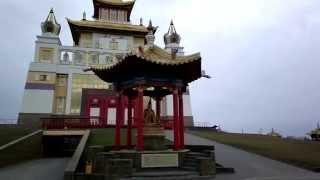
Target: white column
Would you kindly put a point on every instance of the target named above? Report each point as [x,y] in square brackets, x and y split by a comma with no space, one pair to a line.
[69,93]
[187,105]
[169,104]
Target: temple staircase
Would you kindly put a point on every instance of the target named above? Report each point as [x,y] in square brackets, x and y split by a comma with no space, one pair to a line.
[191,161]
[168,174]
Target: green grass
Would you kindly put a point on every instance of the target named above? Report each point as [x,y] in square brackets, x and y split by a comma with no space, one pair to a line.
[105,137]
[305,154]
[8,134]
[25,150]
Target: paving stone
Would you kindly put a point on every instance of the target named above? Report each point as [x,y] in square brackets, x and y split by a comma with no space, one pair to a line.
[247,165]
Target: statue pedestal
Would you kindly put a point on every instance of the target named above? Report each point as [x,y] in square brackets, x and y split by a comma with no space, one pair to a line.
[154,138]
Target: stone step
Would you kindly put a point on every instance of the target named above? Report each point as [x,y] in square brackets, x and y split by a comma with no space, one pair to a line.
[190,168]
[168,175]
[197,155]
[189,177]
[160,173]
[190,163]
[193,160]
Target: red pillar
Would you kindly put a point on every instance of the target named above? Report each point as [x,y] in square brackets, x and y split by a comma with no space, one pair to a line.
[103,112]
[129,127]
[176,120]
[140,120]
[181,120]
[118,120]
[135,111]
[122,111]
[158,108]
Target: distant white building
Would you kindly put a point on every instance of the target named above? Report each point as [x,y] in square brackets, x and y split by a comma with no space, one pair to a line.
[56,82]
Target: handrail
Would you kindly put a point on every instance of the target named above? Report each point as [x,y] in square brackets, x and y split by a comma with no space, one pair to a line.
[75,159]
[90,50]
[85,122]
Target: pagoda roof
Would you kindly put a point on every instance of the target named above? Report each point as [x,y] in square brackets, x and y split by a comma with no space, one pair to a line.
[115,2]
[155,55]
[150,65]
[105,26]
[120,4]
[316,131]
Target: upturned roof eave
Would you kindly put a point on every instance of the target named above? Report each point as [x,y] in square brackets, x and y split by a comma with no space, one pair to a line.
[99,24]
[113,3]
[159,62]
[77,26]
[122,5]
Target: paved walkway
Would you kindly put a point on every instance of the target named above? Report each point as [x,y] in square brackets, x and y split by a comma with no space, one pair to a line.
[43,169]
[249,166]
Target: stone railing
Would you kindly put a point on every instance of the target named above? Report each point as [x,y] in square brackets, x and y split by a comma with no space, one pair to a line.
[73,163]
[70,55]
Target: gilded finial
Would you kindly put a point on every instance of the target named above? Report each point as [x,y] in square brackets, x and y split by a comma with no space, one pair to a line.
[150,27]
[50,25]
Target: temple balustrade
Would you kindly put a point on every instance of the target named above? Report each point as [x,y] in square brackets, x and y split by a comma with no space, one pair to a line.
[85,122]
[70,55]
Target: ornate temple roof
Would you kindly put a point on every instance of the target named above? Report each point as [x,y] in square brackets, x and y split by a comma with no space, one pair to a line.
[100,25]
[155,55]
[108,25]
[150,65]
[315,132]
[116,2]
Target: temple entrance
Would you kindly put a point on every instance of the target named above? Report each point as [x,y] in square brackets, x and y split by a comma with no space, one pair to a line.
[99,106]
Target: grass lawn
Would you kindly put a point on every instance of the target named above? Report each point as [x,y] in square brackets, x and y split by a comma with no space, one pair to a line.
[25,150]
[105,137]
[8,134]
[300,153]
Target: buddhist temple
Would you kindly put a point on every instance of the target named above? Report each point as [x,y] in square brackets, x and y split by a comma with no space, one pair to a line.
[56,84]
[315,134]
[114,78]
[273,133]
[151,71]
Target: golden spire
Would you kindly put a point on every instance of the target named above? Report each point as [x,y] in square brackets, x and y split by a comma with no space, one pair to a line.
[50,25]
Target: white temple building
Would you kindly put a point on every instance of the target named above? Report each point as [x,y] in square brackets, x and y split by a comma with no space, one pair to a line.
[57,84]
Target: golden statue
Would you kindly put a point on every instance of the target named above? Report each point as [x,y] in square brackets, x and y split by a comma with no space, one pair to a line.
[149,115]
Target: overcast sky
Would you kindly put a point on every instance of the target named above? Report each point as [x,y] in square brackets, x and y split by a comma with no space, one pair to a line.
[263,56]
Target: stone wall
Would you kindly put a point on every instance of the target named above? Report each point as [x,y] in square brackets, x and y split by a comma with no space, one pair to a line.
[30,120]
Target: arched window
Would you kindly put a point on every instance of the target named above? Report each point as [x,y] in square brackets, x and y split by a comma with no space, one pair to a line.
[66,57]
